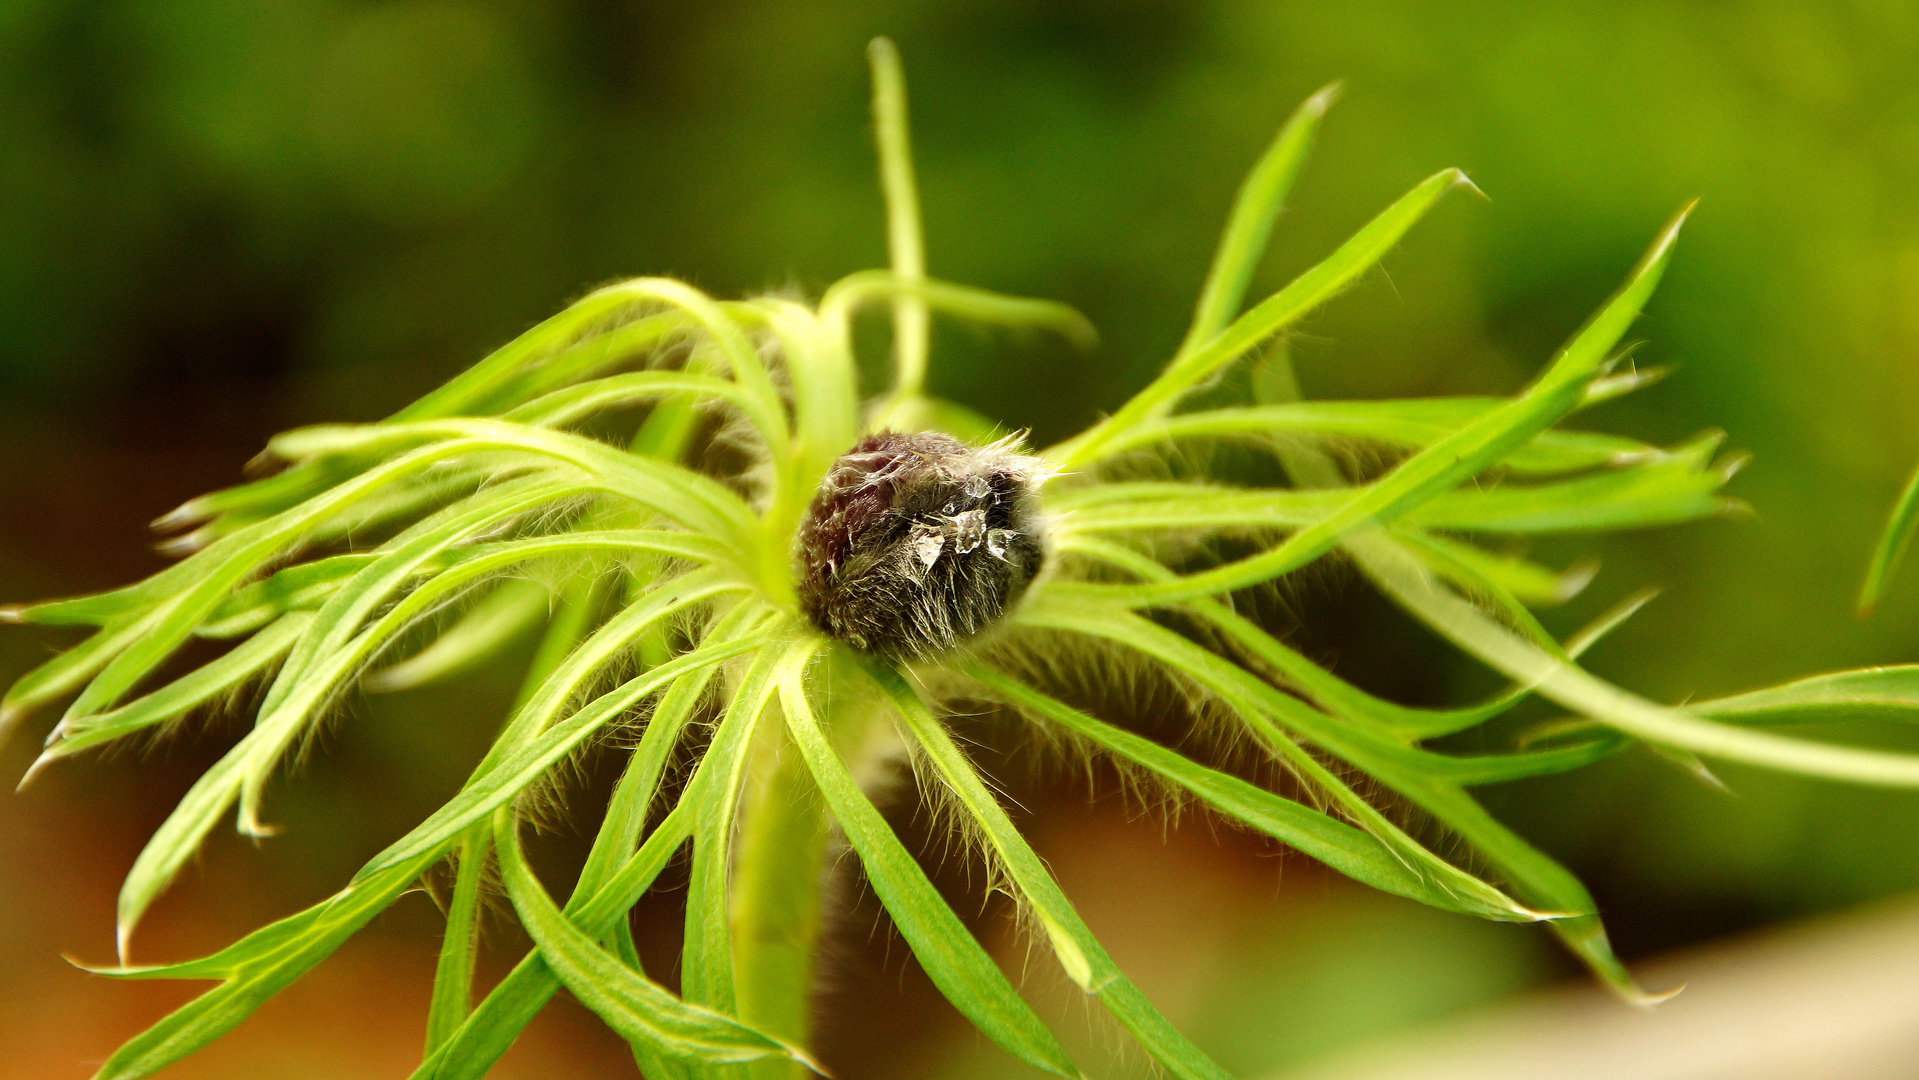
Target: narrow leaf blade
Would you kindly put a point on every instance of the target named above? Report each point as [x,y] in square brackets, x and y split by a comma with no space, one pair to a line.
[955,962]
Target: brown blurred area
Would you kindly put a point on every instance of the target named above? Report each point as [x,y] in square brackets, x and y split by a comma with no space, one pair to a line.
[223,218]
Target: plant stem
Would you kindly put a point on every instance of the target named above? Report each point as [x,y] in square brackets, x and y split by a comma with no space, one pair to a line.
[780,876]
[903,236]
[775,912]
[453,979]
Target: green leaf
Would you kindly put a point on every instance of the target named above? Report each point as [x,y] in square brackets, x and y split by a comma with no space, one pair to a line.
[253,970]
[637,1008]
[269,959]
[1285,307]
[468,392]
[1255,208]
[62,673]
[847,295]
[955,962]
[697,502]
[1542,883]
[198,586]
[1892,547]
[706,957]
[607,887]
[1439,467]
[1470,577]
[1883,693]
[1532,875]
[1415,423]
[667,429]
[587,357]
[779,853]
[639,785]
[491,1028]
[1408,585]
[761,398]
[826,400]
[200,686]
[1079,953]
[98,609]
[1472,567]
[303,587]
[179,836]
[522,766]
[1330,692]
[481,382]
[372,585]
[241,772]
[480,633]
[1274,716]
[1681,486]
[1348,850]
[575,403]
[1675,487]
[301,691]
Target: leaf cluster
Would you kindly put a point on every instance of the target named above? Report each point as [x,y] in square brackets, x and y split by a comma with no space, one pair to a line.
[392,554]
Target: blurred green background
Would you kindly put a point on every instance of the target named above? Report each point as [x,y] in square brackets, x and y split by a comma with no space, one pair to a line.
[221,218]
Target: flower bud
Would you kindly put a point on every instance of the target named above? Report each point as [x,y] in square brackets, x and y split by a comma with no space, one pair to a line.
[917,543]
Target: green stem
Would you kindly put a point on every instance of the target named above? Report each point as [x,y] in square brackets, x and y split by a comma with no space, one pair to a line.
[453,978]
[776,897]
[903,235]
[785,830]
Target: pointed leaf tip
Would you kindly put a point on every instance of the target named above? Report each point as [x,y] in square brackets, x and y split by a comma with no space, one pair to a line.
[1324,98]
[181,546]
[191,512]
[111,971]
[1667,237]
[1574,580]
[1460,179]
[1648,1000]
[91,969]
[264,463]
[1891,550]
[1077,329]
[40,763]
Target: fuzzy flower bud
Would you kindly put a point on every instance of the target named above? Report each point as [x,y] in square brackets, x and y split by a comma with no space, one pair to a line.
[917,543]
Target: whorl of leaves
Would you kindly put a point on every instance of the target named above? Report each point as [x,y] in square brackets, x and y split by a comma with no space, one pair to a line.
[672,594]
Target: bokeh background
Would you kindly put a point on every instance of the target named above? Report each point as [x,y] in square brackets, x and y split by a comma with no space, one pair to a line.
[222,218]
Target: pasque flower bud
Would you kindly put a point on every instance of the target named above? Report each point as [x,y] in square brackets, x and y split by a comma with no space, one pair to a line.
[918,542]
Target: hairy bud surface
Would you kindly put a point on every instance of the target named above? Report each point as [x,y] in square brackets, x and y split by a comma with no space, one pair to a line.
[917,543]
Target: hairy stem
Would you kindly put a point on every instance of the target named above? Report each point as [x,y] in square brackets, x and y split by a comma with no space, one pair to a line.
[453,978]
[903,235]
[776,897]
[786,831]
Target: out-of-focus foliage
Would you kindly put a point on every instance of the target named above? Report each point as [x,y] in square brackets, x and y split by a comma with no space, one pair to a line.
[224,218]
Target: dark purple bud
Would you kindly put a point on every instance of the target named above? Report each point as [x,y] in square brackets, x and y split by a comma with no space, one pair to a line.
[917,543]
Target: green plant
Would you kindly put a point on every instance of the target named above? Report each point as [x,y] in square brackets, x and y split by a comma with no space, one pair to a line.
[677,613]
